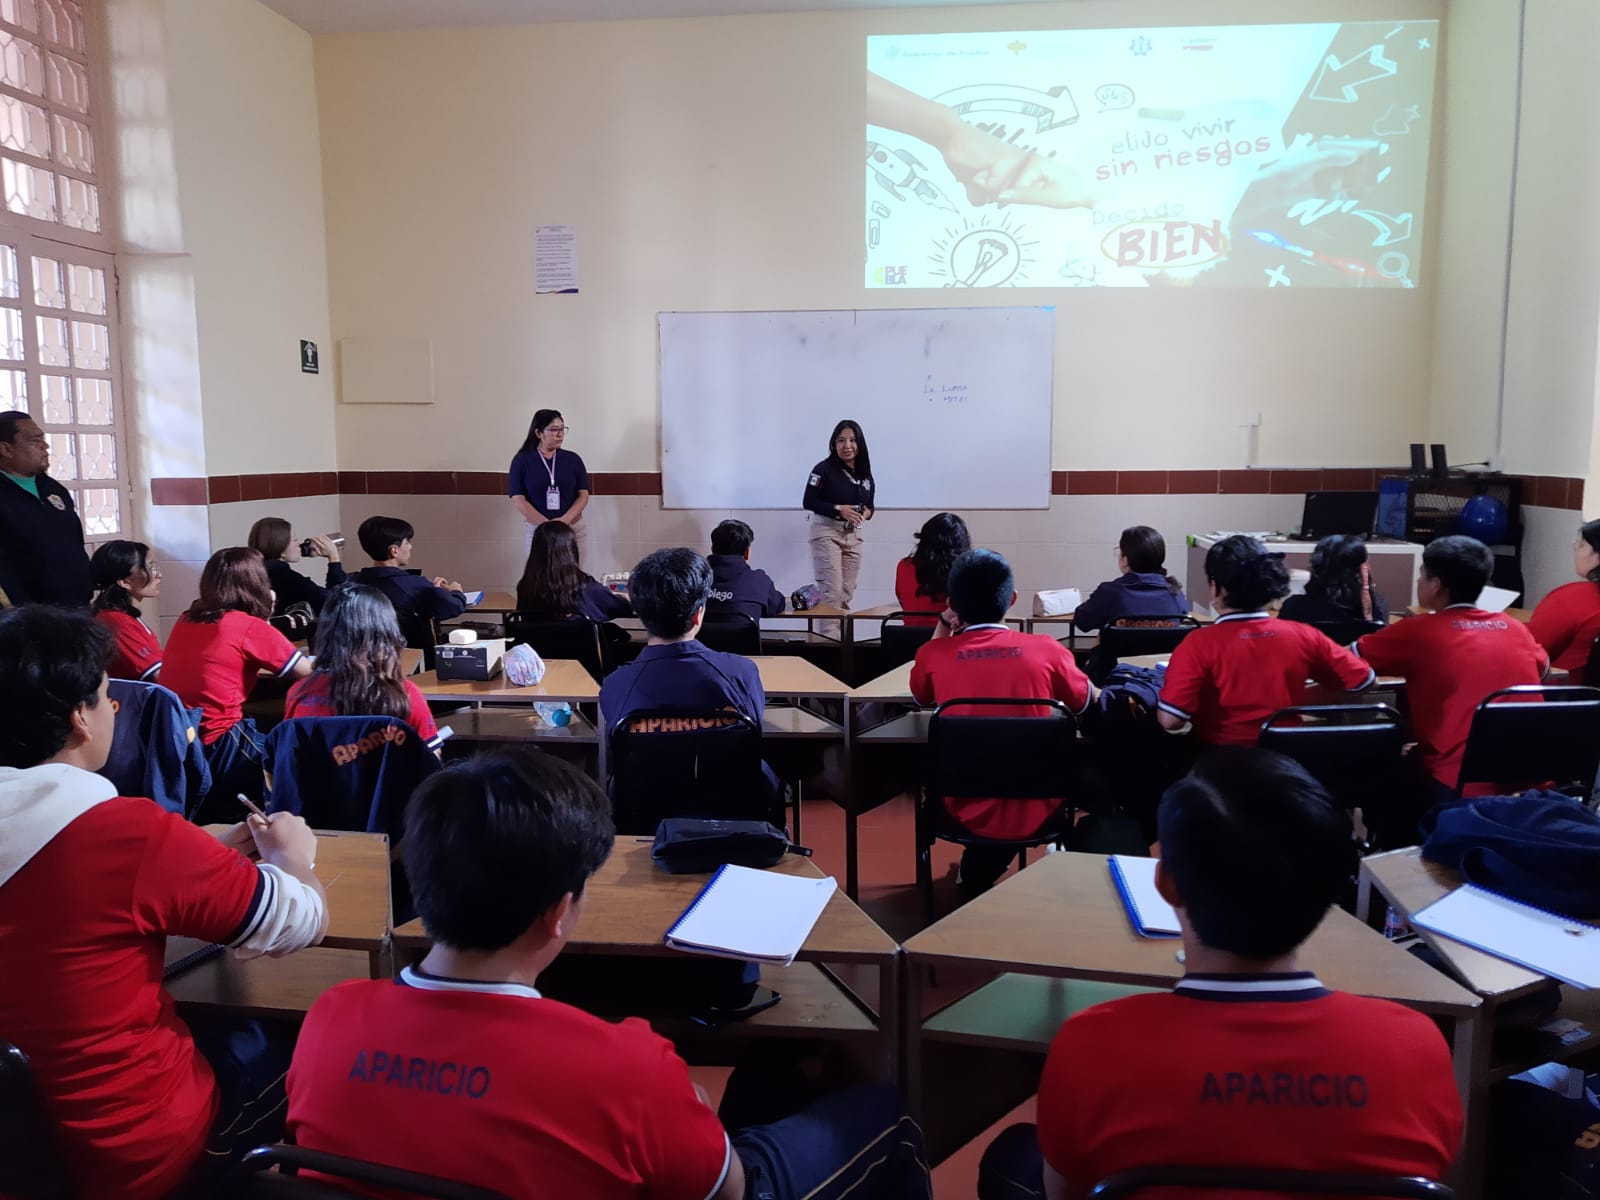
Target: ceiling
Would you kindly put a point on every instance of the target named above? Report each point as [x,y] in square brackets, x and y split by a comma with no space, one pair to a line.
[365,16]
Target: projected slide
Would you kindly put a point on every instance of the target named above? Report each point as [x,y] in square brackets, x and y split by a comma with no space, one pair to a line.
[1228,156]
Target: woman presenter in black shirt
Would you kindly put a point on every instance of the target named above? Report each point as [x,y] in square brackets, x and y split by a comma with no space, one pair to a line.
[840,497]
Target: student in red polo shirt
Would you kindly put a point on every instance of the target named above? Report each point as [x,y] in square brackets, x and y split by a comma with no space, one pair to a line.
[1230,676]
[215,654]
[1568,620]
[357,670]
[460,1069]
[1250,1061]
[920,577]
[91,886]
[1454,655]
[973,653]
[122,576]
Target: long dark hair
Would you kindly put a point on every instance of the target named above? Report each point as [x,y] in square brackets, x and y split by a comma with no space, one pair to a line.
[552,583]
[112,563]
[358,643]
[234,580]
[1146,552]
[942,540]
[1589,531]
[271,536]
[862,467]
[1249,577]
[1336,574]
[536,427]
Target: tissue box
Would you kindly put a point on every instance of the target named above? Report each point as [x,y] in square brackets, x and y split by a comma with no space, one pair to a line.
[476,660]
[1056,603]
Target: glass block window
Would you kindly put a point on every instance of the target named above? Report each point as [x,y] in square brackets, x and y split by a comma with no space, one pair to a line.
[58,362]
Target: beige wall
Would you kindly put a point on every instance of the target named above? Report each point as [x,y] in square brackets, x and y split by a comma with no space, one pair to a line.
[249,167]
[715,164]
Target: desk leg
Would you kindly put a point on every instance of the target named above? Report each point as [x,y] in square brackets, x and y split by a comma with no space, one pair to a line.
[891,1018]
[852,882]
[1471,1049]
[1364,896]
[911,1035]
[847,648]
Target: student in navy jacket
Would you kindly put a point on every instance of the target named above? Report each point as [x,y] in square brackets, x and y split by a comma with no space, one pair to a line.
[1340,588]
[41,539]
[387,541]
[736,586]
[669,589]
[840,496]
[274,537]
[1143,590]
[554,586]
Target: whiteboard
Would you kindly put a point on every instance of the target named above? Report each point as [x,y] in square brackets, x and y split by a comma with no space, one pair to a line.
[955,404]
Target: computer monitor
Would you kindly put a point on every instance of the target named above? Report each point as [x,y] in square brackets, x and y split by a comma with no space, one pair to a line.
[1338,512]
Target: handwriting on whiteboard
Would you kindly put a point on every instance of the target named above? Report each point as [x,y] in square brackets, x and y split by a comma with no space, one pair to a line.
[945,393]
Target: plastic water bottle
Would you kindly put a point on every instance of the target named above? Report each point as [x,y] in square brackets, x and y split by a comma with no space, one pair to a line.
[1394,926]
[554,715]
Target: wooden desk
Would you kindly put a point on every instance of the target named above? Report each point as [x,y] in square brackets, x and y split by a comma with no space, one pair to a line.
[496,603]
[1062,918]
[892,687]
[410,661]
[280,988]
[564,679]
[630,904]
[793,678]
[1407,881]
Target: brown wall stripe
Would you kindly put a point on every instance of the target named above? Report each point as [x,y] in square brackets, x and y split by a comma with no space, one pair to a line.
[1546,491]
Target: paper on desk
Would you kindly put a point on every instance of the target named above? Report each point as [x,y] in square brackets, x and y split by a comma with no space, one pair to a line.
[1541,941]
[1493,599]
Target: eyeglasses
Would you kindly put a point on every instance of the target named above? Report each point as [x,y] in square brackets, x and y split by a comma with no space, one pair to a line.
[557,428]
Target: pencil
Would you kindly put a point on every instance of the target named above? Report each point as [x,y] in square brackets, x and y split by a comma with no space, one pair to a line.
[254,808]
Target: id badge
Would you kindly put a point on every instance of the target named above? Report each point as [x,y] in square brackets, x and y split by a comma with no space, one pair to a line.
[552,499]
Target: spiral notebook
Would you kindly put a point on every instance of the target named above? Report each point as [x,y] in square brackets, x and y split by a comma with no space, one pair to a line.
[1542,941]
[760,916]
[1135,878]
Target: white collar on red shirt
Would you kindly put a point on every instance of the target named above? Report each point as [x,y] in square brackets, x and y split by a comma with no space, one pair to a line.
[420,979]
[36,803]
[1000,625]
[1243,616]
[1290,985]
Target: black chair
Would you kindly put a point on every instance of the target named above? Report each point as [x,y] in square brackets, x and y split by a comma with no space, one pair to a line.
[1127,637]
[261,1182]
[732,633]
[688,763]
[1346,632]
[1531,734]
[1591,670]
[1003,757]
[576,638]
[31,1164]
[1354,750]
[421,633]
[900,641]
[1127,1184]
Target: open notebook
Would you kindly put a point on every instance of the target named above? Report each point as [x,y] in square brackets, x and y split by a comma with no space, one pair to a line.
[474,599]
[1542,941]
[1136,884]
[759,916]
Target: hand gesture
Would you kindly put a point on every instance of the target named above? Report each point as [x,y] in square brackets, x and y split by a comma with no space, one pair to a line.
[996,172]
[322,546]
[284,839]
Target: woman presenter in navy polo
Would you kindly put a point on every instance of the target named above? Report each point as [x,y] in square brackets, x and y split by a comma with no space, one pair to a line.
[840,498]
[548,483]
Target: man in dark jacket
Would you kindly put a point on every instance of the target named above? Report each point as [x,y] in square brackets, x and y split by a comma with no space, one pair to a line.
[736,586]
[42,560]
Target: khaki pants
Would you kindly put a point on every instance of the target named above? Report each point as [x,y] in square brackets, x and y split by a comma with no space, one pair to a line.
[579,530]
[836,559]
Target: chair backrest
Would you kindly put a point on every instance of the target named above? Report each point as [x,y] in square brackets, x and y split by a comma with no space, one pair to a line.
[31,1164]
[155,748]
[1000,754]
[576,638]
[353,773]
[1128,636]
[731,633]
[262,1182]
[1591,670]
[1128,1184]
[1347,631]
[1531,734]
[900,641]
[687,763]
[1353,750]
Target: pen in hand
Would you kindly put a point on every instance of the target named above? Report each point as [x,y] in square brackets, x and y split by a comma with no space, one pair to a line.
[255,809]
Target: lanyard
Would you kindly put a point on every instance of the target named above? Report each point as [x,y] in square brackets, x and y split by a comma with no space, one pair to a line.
[550,466]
